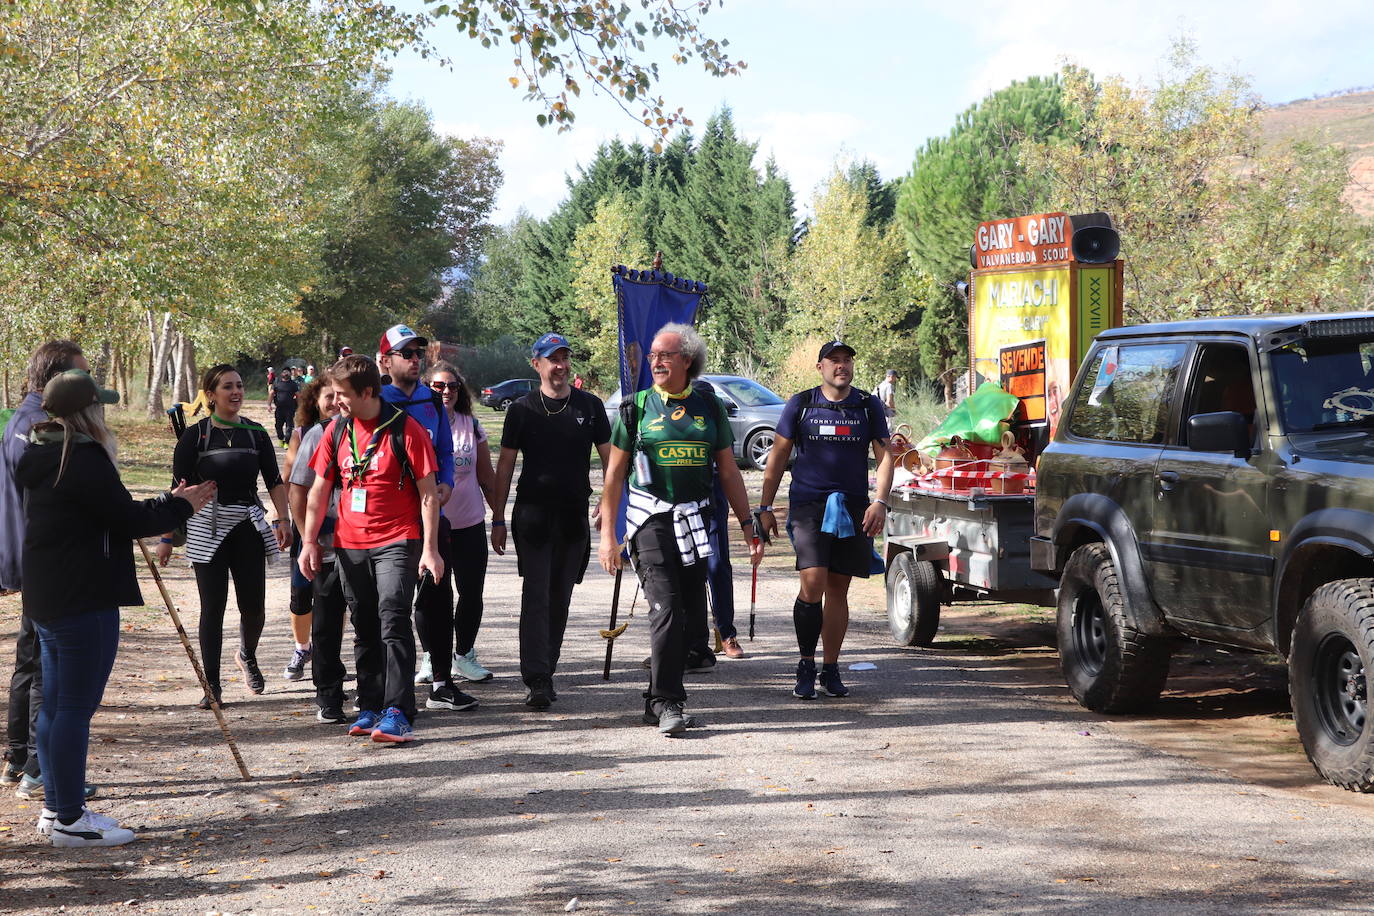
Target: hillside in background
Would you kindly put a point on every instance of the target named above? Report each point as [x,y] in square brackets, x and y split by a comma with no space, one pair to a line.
[1347,120]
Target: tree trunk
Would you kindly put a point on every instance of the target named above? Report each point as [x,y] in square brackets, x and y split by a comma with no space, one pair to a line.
[178,367]
[188,363]
[159,363]
[126,388]
[152,348]
[102,365]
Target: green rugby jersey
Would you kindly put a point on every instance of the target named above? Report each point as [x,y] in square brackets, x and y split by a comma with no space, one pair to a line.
[679,434]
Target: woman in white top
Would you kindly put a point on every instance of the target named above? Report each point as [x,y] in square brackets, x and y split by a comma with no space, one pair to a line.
[466,513]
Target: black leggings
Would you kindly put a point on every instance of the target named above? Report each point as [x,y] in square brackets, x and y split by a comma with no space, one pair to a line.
[465,564]
[241,555]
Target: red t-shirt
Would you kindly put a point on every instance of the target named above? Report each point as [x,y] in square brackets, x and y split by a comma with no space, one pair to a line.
[390,512]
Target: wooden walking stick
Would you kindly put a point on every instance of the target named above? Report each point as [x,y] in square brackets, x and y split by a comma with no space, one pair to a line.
[195,662]
[610,633]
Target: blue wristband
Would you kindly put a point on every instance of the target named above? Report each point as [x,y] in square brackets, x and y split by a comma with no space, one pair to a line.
[166,540]
[498,523]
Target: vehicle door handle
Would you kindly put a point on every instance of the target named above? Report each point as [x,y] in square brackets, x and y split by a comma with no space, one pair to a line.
[1167,479]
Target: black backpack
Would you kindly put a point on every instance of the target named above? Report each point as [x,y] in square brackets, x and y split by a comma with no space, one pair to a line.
[398,445]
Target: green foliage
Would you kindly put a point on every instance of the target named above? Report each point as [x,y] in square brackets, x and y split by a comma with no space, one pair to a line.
[715,217]
[958,181]
[1210,223]
[612,237]
[506,357]
[845,281]
[406,206]
[559,45]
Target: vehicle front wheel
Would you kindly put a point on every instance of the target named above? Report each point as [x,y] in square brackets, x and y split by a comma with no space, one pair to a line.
[1110,666]
[1328,678]
[914,589]
[757,448]
[504,403]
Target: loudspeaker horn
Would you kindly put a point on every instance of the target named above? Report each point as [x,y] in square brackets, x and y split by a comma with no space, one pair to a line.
[1094,241]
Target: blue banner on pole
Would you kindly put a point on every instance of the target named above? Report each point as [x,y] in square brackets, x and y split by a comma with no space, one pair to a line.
[646,300]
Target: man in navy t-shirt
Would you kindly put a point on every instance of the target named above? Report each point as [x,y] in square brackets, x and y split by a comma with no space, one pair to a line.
[831,519]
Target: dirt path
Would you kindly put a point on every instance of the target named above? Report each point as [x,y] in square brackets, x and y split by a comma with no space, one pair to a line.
[956,779]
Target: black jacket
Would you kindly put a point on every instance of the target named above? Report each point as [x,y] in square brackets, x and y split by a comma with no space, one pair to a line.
[77,551]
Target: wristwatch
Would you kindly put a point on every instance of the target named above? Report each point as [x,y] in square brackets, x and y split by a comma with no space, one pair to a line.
[765,508]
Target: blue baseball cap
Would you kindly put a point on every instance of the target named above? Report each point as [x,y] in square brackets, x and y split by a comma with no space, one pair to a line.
[550,344]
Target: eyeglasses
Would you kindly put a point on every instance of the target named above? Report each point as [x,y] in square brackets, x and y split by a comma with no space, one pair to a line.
[655,356]
[444,386]
[408,353]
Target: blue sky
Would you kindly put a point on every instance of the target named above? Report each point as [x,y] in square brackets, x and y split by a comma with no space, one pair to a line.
[867,79]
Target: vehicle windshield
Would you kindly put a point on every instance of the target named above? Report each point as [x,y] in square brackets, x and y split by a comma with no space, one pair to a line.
[747,393]
[1325,384]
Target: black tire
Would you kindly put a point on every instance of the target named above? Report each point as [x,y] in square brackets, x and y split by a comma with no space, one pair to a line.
[504,403]
[1333,654]
[914,590]
[1110,666]
[758,447]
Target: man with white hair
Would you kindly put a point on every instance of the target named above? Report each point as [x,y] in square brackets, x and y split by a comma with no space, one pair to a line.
[674,435]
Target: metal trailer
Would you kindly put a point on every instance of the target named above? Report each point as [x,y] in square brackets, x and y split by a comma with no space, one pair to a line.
[962,545]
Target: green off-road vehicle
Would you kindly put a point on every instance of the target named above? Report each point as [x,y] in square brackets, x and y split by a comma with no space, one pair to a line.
[1214,479]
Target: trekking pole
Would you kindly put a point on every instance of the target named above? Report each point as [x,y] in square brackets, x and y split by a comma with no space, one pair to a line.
[195,662]
[759,535]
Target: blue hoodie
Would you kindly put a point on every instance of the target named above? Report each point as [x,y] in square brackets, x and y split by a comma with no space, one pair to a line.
[12,444]
[420,405]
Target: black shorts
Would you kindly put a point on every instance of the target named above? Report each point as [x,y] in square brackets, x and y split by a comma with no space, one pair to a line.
[851,556]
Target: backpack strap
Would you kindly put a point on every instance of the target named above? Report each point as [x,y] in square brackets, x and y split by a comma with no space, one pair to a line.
[398,445]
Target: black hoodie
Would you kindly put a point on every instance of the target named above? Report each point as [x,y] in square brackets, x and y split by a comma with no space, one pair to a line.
[77,551]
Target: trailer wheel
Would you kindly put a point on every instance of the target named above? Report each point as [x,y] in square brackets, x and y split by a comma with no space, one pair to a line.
[914,588]
[1328,678]
[1110,666]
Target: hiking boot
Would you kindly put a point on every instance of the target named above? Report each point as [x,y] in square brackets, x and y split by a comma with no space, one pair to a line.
[367,721]
[806,680]
[699,662]
[730,645]
[651,717]
[85,832]
[424,673]
[11,774]
[48,817]
[332,714]
[830,680]
[252,675]
[447,696]
[394,728]
[205,700]
[468,668]
[540,695]
[31,788]
[671,720]
[295,669]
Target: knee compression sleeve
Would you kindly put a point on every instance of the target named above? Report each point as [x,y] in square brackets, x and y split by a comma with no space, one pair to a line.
[806,617]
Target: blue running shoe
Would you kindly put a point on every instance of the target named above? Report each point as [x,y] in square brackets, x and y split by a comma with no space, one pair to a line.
[367,721]
[394,728]
[806,680]
[830,680]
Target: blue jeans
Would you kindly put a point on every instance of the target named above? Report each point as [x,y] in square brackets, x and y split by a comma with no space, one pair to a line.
[719,575]
[78,652]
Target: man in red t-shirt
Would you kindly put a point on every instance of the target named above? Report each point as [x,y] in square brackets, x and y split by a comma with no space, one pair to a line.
[378,546]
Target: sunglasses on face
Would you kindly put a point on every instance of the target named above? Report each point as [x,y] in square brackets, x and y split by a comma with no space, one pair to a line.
[408,353]
[444,386]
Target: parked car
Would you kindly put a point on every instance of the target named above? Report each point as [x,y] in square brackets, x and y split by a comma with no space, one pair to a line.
[503,394]
[754,411]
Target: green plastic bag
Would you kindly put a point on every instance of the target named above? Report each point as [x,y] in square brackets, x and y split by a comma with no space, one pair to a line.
[981,417]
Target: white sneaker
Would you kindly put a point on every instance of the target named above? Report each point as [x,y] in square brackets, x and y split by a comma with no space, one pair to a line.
[48,816]
[425,673]
[468,668]
[85,832]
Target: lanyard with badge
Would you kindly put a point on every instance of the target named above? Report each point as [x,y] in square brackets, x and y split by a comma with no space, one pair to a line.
[361,464]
